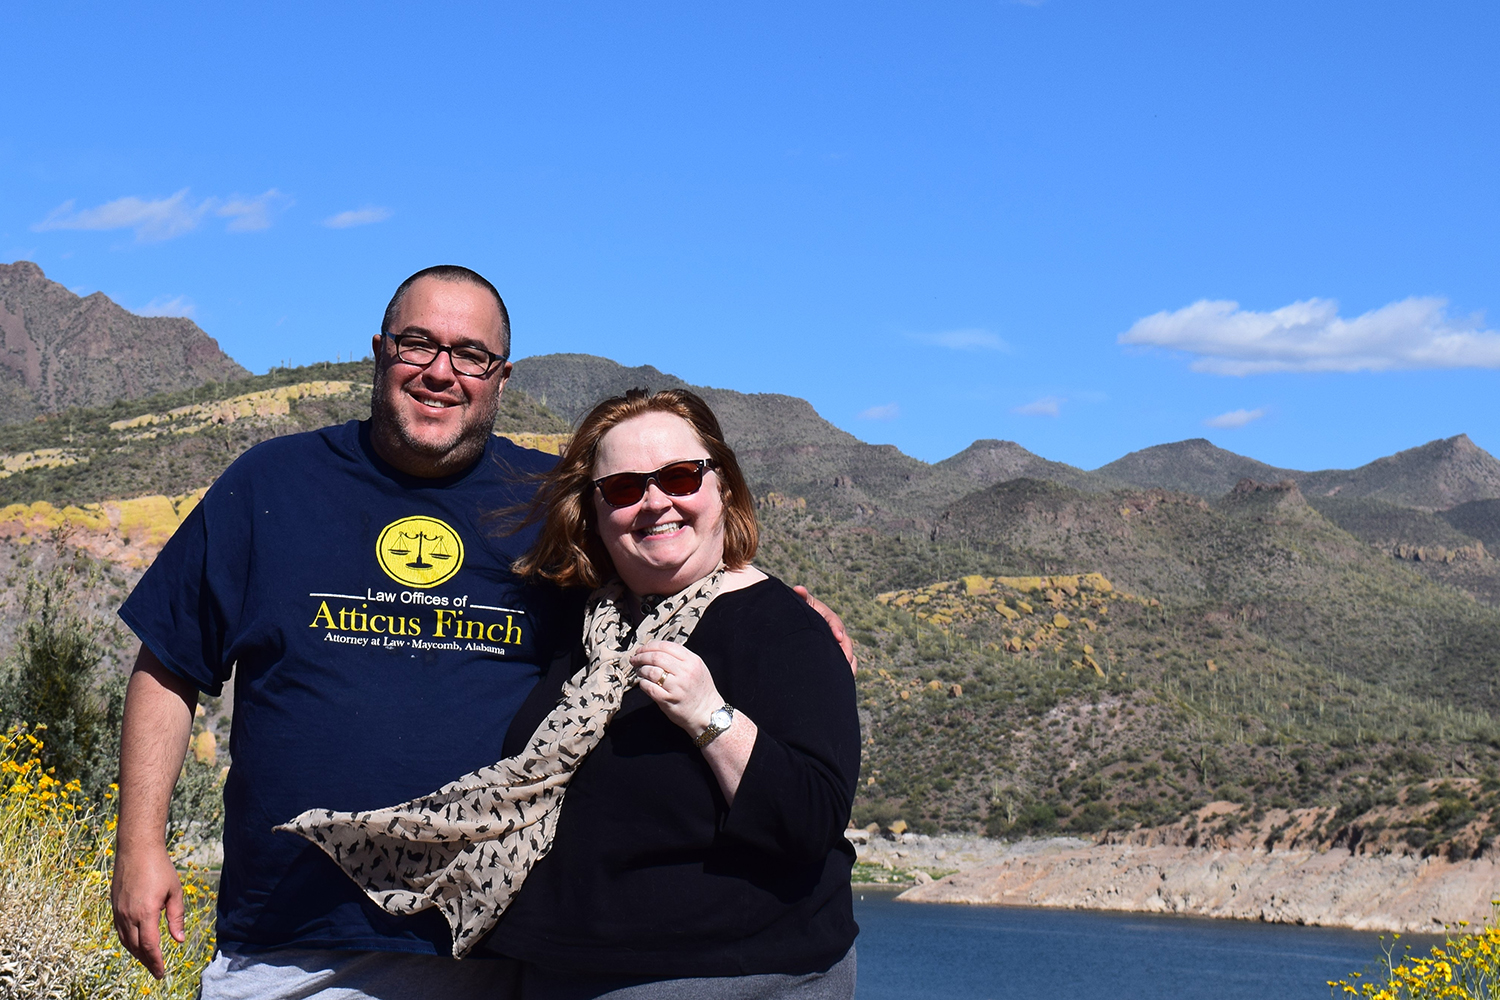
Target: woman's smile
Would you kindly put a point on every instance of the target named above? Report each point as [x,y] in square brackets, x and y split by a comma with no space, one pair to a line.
[658,532]
[661,543]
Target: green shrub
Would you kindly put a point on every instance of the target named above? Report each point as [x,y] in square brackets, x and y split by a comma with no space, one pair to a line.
[1092,817]
[53,679]
[1035,819]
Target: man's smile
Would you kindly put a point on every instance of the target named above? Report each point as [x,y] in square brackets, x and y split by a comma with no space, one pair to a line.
[424,397]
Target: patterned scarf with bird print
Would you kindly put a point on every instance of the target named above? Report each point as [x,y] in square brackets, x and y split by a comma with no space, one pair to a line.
[467,847]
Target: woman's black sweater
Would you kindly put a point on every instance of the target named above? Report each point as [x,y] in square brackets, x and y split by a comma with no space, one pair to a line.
[651,873]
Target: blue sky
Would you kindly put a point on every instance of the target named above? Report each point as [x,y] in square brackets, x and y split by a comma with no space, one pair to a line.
[1085,227]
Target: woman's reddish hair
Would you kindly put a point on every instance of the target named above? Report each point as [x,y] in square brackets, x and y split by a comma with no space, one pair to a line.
[568,550]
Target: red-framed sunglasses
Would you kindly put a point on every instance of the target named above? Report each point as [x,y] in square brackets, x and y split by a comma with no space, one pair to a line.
[680,479]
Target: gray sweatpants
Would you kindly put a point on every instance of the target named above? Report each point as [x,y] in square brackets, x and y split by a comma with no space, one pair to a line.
[297,974]
[366,975]
[835,984]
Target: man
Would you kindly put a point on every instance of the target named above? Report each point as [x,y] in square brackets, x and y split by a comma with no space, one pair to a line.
[380,646]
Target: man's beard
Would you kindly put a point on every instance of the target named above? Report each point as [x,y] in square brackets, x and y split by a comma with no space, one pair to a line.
[459,450]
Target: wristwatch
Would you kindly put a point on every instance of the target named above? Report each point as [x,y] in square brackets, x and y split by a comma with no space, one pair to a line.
[718,722]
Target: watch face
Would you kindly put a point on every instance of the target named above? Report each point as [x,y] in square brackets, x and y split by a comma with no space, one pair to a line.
[720,719]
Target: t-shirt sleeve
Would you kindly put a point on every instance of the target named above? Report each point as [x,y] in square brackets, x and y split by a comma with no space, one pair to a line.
[185,606]
[794,799]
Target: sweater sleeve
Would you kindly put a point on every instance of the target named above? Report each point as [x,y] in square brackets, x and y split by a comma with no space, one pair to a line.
[794,799]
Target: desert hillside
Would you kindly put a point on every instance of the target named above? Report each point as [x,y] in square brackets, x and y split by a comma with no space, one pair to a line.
[1045,649]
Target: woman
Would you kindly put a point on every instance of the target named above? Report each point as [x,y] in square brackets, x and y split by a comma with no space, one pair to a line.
[701,850]
[670,859]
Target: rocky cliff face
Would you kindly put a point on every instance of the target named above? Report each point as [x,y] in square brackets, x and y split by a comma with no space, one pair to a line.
[1261,500]
[58,350]
[1372,871]
[1388,892]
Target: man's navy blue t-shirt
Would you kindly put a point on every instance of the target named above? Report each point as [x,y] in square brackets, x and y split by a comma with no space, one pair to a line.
[379,646]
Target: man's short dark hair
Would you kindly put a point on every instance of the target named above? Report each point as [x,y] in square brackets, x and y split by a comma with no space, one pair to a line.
[450,272]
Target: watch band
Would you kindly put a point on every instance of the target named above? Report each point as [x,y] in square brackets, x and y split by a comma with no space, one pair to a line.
[713,732]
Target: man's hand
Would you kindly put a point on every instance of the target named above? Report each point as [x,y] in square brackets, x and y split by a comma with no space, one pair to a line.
[143,886]
[834,622]
[153,743]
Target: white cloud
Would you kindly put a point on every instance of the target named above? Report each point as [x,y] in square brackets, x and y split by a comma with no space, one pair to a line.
[1047,406]
[1235,418]
[177,305]
[1310,336]
[890,411]
[156,220]
[971,339]
[166,218]
[249,215]
[357,217]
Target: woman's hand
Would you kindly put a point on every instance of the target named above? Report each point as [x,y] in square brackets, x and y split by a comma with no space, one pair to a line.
[678,681]
[680,684]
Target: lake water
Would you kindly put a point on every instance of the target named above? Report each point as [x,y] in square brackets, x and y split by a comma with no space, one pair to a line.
[915,951]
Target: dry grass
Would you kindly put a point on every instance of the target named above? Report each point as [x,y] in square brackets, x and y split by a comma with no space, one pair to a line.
[57,936]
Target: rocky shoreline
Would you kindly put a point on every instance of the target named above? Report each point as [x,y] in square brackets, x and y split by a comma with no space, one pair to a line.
[1331,888]
[1301,866]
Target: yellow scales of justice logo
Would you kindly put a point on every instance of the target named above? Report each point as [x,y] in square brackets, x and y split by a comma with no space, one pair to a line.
[419,551]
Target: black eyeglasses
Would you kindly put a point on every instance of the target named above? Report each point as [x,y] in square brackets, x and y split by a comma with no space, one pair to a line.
[415,349]
[680,479]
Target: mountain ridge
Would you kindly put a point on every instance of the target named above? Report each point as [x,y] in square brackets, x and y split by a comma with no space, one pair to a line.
[59,350]
[1195,465]
[1435,476]
[107,353]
